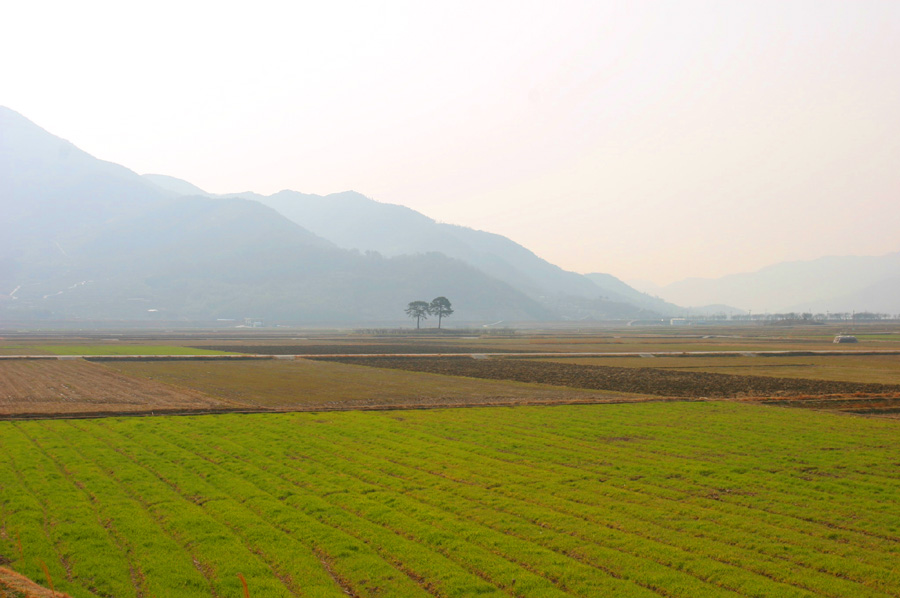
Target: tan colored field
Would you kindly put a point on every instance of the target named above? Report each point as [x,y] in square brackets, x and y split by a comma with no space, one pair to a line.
[77,386]
[882,369]
[307,384]
[17,586]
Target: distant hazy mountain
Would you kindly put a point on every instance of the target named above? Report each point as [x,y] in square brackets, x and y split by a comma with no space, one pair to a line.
[51,191]
[174,185]
[87,239]
[353,221]
[617,290]
[834,284]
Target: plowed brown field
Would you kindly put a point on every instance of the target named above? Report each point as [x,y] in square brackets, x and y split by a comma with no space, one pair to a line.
[631,380]
[78,386]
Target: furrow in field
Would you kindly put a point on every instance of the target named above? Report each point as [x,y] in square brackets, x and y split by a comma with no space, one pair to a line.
[230,537]
[764,569]
[366,504]
[604,489]
[642,540]
[158,549]
[397,450]
[52,546]
[109,556]
[880,516]
[429,510]
[203,543]
[451,548]
[794,473]
[690,488]
[746,527]
[681,471]
[216,485]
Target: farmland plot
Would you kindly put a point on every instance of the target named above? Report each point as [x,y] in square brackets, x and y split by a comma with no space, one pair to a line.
[666,499]
[65,387]
[308,384]
[647,380]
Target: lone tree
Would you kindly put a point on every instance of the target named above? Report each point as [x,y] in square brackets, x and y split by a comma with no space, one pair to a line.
[440,307]
[418,310]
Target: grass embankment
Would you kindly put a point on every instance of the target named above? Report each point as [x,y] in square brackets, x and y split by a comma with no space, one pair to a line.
[669,499]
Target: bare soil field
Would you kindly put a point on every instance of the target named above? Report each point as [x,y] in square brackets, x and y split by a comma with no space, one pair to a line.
[880,405]
[312,384]
[75,388]
[652,381]
[78,386]
[881,369]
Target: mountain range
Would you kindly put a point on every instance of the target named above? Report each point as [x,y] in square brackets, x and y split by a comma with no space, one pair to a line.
[352,221]
[84,239]
[834,283]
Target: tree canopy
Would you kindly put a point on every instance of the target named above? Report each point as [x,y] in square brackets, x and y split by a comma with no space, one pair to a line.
[418,310]
[440,307]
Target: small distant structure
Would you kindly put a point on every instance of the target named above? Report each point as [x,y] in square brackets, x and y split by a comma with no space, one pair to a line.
[253,322]
[845,338]
[679,322]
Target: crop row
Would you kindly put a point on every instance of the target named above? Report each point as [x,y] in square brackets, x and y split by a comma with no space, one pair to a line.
[695,499]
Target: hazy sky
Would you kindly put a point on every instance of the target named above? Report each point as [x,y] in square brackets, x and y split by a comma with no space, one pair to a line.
[653,140]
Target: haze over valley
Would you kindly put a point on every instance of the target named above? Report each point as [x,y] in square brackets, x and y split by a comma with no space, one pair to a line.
[91,240]
[398,299]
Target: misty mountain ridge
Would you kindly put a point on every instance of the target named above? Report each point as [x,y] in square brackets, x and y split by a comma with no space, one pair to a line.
[832,283]
[354,221]
[88,239]
[85,238]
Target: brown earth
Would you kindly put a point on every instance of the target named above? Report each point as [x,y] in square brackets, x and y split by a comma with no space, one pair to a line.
[79,386]
[881,405]
[631,380]
[13,585]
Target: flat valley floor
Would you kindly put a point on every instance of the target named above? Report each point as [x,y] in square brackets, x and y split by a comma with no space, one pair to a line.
[720,462]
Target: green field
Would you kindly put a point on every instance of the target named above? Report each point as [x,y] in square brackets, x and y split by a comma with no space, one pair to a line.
[653,499]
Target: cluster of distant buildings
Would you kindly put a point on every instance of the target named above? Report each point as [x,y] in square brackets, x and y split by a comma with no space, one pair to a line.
[785,318]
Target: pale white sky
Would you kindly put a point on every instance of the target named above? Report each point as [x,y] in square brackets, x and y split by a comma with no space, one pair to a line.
[653,140]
